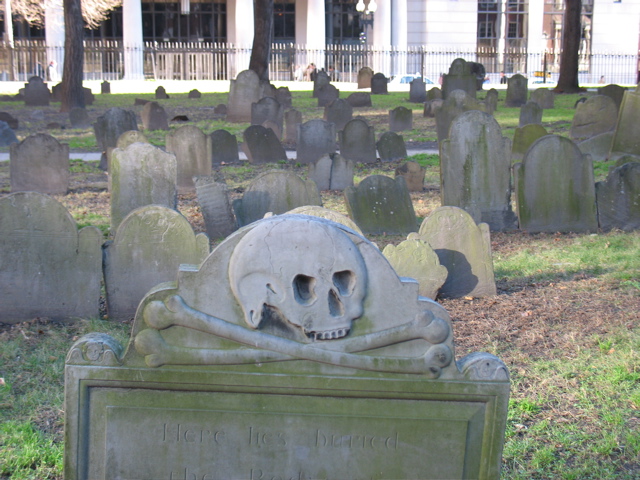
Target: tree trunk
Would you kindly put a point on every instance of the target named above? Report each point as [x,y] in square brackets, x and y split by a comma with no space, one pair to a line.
[571,37]
[262,23]
[71,92]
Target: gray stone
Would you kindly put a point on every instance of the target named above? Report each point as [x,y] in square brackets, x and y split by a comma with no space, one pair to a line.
[523,138]
[626,139]
[195,94]
[598,146]
[274,192]
[49,268]
[322,80]
[243,91]
[517,91]
[79,118]
[315,139]
[544,97]
[379,84]
[224,147]
[400,119]
[391,147]
[417,91]
[463,248]
[434,93]
[338,112]
[364,77]
[9,120]
[459,78]
[530,113]
[267,109]
[262,145]
[413,175]
[220,110]
[623,159]
[148,247]
[56,94]
[213,198]
[39,163]
[105,87]
[36,93]
[456,103]
[277,129]
[431,107]
[616,92]
[161,93]
[109,127]
[595,116]
[618,198]
[359,99]
[555,189]
[491,101]
[292,119]
[283,96]
[331,172]
[154,117]
[357,141]
[381,205]
[327,94]
[327,214]
[7,135]
[141,175]
[416,259]
[193,151]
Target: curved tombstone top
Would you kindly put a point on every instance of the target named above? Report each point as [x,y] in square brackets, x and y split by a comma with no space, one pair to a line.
[459,67]
[129,137]
[598,114]
[326,213]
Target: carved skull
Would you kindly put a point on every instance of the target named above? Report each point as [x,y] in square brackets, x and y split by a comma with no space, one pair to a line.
[306,268]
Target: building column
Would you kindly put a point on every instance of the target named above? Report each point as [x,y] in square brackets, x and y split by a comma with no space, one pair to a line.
[54,37]
[382,38]
[502,35]
[132,40]
[239,34]
[399,21]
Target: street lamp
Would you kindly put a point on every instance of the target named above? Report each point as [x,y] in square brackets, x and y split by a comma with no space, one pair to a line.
[366,13]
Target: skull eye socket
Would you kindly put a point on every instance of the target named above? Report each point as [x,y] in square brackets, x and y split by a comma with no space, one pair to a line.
[304,289]
[345,282]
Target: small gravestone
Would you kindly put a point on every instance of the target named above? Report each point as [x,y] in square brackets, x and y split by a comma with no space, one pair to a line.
[598,146]
[618,198]
[109,127]
[326,95]
[276,192]
[9,120]
[193,151]
[626,139]
[459,78]
[36,93]
[194,94]
[224,147]
[322,80]
[262,145]
[554,188]
[243,92]
[56,94]
[320,172]
[364,77]
[417,91]
[292,119]
[456,103]
[213,198]
[530,113]
[7,135]
[491,101]
[267,109]
[161,93]
[623,159]
[475,170]
[49,268]
[463,248]
[544,97]
[595,116]
[359,99]
[315,139]
[331,172]
[39,163]
[523,138]
[79,118]
[379,84]
[327,214]
[37,116]
[616,92]
[283,96]
[517,91]
[413,175]
[154,117]
[220,111]
[381,205]
[124,140]
[267,89]
[434,93]
[105,87]
[391,147]
[431,107]
[141,175]
[400,119]
[416,259]
[338,112]
[147,249]
[357,141]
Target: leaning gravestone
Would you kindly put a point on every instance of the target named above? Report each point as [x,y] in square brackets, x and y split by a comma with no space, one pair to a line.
[49,268]
[618,198]
[391,147]
[283,96]
[595,116]
[36,93]
[459,78]
[491,101]
[517,91]
[292,119]
[616,92]
[463,248]
[379,84]
[109,127]
[417,91]
[597,147]
[224,147]
[523,138]
[148,247]
[555,190]
[475,170]
[154,117]
[274,192]
[331,172]
[456,103]
[364,77]
[141,174]
[262,145]
[327,94]
[400,119]
[357,141]
[290,374]
[338,112]
[243,91]
[413,175]
[530,113]
[626,139]
[7,135]
[544,97]
[193,151]
[39,163]
[359,99]
[315,139]
[213,198]
[267,109]
[381,205]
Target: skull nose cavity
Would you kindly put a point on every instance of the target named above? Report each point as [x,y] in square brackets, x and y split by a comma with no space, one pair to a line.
[304,289]
[336,308]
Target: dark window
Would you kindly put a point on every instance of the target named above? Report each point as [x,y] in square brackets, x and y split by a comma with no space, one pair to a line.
[343,25]
[284,21]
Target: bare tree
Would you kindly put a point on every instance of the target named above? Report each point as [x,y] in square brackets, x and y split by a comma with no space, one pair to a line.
[71,91]
[261,50]
[571,37]
[94,12]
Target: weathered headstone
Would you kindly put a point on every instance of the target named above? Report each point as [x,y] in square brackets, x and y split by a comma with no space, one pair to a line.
[523,138]
[7,135]
[544,97]
[554,188]
[598,146]
[277,192]
[595,116]
[161,93]
[292,119]
[39,163]
[154,117]
[517,91]
[456,103]
[315,139]
[213,198]
[322,80]
[331,172]
[616,92]
[243,91]
[220,110]
[195,94]
[400,119]
[338,112]
[36,93]
[434,93]
[413,175]
[417,91]
[9,120]
[357,141]
[105,87]
[109,127]
[459,78]
[283,96]
[391,147]
[359,99]
[321,212]
[364,77]
[327,94]
[224,147]
[431,107]
[267,109]
[262,145]
[379,84]
[272,125]
[491,101]
[626,139]
[381,205]
[56,94]
[530,113]
[79,118]
[618,198]
[193,151]
[49,268]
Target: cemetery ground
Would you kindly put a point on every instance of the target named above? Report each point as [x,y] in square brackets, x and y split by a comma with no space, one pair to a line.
[565,320]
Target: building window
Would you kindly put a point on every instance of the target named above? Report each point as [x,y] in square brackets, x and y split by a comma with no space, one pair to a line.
[516,18]
[284,21]
[163,21]
[343,25]
[488,21]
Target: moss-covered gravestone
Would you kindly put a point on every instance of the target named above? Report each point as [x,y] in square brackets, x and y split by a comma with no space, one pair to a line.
[293,351]
[595,116]
[523,137]
[193,151]
[626,139]
[618,198]
[400,119]
[39,163]
[456,103]
[530,113]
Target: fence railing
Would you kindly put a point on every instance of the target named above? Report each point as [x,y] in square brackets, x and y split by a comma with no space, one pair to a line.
[105,60]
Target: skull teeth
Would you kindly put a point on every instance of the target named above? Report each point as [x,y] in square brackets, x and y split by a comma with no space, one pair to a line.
[329,335]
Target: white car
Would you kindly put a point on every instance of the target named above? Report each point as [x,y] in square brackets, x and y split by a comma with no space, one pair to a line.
[408,78]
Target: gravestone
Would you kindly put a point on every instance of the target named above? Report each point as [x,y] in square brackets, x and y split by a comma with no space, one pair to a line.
[220,111]
[338,112]
[49,268]
[595,116]
[456,103]
[322,80]
[416,259]
[523,138]
[7,135]
[598,146]
[243,91]
[475,170]
[381,205]
[154,117]
[105,87]
[554,188]
[517,91]
[193,151]
[283,96]
[213,198]
[195,94]
[459,78]
[491,101]
[56,94]
[616,92]
[262,145]
[161,93]
[327,94]
[434,93]
[530,113]
[618,198]
[147,249]
[359,99]
[224,147]
[431,107]
[277,129]
[273,373]
[39,163]
[79,118]
[109,127]
[379,84]
[36,93]
[9,120]
[327,214]
[364,77]
[463,248]
[331,172]
[358,142]
[417,91]
[400,119]
[626,139]
[267,109]
[141,174]
[391,147]
[315,139]
[544,97]
[277,192]
[292,119]
[413,175]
